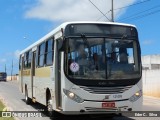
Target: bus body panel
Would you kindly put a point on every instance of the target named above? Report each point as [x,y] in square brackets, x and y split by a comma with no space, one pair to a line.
[40,86]
[94,101]
[41,82]
[90,106]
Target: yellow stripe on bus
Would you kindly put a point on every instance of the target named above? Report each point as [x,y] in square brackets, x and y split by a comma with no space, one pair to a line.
[26,72]
[42,72]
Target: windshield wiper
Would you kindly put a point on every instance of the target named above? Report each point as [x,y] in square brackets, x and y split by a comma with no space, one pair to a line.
[124,36]
[83,36]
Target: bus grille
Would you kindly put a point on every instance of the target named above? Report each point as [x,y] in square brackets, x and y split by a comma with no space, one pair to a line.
[90,109]
[106,90]
[93,109]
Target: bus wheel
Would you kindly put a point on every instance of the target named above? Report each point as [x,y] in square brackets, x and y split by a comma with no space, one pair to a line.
[27,99]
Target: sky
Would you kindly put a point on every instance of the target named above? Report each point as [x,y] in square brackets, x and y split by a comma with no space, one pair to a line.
[23,22]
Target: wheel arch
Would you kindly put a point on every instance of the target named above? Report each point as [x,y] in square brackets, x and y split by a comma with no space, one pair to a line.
[48,95]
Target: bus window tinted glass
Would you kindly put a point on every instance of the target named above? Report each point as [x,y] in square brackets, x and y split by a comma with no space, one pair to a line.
[49,52]
[41,54]
[102,58]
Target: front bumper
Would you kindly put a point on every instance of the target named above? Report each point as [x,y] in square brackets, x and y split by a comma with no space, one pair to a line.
[89,107]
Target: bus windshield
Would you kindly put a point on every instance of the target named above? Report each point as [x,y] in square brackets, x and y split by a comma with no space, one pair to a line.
[102,58]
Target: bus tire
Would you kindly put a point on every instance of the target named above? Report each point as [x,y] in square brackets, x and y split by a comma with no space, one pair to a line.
[49,108]
[27,99]
[50,112]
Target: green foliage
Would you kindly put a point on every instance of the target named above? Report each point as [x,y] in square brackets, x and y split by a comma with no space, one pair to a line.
[2,108]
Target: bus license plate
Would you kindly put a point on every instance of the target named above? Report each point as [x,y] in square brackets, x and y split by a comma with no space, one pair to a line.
[108,105]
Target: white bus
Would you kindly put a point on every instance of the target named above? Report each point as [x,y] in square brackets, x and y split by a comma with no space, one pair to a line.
[85,67]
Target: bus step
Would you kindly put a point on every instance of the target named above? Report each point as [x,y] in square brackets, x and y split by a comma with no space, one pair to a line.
[59,108]
[34,99]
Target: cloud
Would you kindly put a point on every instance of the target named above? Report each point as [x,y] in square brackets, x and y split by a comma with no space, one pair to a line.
[147,42]
[68,10]
[16,53]
[3,60]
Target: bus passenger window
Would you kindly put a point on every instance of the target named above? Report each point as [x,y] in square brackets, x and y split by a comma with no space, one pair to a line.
[25,60]
[41,55]
[20,62]
[49,52]
[29,59]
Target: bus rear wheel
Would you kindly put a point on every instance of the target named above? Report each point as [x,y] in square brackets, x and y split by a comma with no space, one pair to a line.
[27,99]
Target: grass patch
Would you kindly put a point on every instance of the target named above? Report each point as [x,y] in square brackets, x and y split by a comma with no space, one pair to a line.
[2,106]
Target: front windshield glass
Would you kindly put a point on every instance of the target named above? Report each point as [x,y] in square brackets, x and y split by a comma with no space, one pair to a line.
[102,59]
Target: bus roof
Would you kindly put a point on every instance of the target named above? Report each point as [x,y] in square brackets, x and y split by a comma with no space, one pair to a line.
[62,26]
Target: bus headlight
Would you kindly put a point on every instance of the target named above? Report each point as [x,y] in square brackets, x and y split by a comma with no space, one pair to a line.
[136,96]
[73,96]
